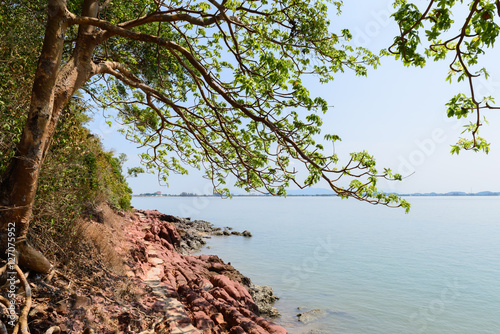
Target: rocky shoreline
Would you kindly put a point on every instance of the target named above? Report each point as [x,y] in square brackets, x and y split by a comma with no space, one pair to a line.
[213,296]
[193,232]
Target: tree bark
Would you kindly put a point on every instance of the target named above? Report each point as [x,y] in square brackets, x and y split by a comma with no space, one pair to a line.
[19,183]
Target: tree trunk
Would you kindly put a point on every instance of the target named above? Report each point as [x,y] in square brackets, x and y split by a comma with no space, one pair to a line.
[19,182]
[52,89]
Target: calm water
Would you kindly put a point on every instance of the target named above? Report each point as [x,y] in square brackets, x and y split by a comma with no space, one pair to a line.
[372,269]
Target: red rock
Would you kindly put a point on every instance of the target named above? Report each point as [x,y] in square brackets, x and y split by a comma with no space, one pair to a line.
[155,229]
[188,274]
[217,267]
[251,327]
[220,293]
[204,257]
[230,313]
[202,321]
[149,236]
[215,304]
[165,235]
[237,330]
[204,284]
[197,301]
[218,319]
[180,279]
[235,290]
[266,324]
[275,329]
[173,233]
[170,278]
[167,244]
[184,321]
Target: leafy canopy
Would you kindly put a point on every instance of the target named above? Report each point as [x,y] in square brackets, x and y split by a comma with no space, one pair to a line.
[218,85]
[461,43]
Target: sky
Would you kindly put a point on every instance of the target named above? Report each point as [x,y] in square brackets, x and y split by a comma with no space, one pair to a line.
[396,113]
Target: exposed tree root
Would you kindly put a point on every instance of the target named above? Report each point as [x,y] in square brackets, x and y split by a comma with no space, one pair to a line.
[53,330]
[54,272]
[32,259]
[22,323]
[4,301]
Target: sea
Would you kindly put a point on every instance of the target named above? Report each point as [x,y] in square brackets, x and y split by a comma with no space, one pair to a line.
[368,269]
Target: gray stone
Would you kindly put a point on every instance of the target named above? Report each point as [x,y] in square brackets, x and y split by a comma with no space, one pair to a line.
[312,315]
[264,297]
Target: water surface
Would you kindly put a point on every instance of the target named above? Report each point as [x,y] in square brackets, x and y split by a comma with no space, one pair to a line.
[371,268]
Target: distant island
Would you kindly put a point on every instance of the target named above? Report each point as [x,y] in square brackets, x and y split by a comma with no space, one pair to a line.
[316,192]
[455,193]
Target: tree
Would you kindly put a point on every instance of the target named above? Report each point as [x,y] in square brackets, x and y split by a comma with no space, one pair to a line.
[19,47]
[214,84]
[465,40]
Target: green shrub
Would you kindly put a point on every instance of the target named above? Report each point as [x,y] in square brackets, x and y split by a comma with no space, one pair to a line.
[78,174]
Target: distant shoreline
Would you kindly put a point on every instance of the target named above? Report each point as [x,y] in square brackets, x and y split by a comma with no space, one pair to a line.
[451,194]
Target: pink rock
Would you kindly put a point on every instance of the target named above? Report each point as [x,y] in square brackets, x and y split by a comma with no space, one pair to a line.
[204,284]
[202,321]
[173,233]
[237,330]
[218,319]
[215,304]
[217,267]
[275,329]
[197,302]
[180,279]
[170,278]
[235,290]
[226,284]
[252,328]
[208,297]
[149,236]
[187,273]
[165,235]
[266,324]
[204,257]
[166,244]
[155,229]
[220,293]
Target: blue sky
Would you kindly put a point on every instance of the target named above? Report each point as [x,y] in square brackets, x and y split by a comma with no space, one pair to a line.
[396,113]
